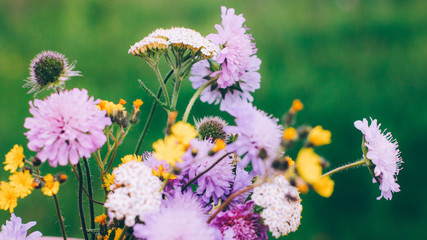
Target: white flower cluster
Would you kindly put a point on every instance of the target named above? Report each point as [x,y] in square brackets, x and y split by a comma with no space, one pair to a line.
[282,206]
[134,193]
[160,39]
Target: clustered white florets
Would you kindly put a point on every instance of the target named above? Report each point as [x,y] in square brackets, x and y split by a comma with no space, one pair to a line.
[161,39]
[282,206]
[134,193]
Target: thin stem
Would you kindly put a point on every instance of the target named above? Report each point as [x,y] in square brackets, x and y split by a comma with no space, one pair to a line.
[89,188]
[207,170]
[154,97]
[231,197]
[116,145]
[84,189]
[162,84]
[58,213]
[150,116]
[194,98]
[80,204]
[166,180]
[347,166]
[125,229]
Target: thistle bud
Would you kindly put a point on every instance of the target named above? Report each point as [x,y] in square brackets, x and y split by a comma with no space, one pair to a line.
[211,128]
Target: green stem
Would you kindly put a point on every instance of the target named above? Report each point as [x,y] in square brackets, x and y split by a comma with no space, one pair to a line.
[80,202]
[89,188]
[125,229]
[207,170]
[166,180]
[150,116]
[194,98]
[58,213]
[347,166]
[113,155]
[163,85]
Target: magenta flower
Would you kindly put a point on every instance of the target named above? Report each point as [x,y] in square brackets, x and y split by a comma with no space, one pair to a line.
[180,217]
[65,127]
[240,223]
[258,135]
[383,153]
[15,230]
[236,74]
[214,184]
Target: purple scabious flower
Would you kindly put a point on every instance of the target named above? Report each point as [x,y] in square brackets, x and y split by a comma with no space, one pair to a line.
[240,223]
[180,217]
[242,180]
[65,127]
[15,230]
[151,161]
[214,184]
[258,139]
[236,74]
[383,153]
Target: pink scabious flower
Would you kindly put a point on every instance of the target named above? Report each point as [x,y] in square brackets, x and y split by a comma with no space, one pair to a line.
[214,184]
[240,223]
[236,74]
[258,139]
[180,217]
[65,127]
[15,230]
[383,153]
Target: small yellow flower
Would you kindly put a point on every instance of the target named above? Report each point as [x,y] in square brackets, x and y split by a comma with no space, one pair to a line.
[8,196]
[162,173]
[290,161]
[219,145]
[296,106]
[51,187]
[318,136]
[169,150]
[23,183]
[130,157]
[184,132]
[122,102]
[290,134]
[137,103]
[14,158]
[109,106]
[308,165]
[101,219]
[324,186]
[108,180]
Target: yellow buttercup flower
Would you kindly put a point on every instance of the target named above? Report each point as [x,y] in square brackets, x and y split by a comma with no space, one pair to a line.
[324,186]
[290,134]
[14,158]
[51,187]
[131,157]
[108,180]
[308,165]
[169,150]
[161,173]
[8,196]
[23,183]
[184,132]
[318,136]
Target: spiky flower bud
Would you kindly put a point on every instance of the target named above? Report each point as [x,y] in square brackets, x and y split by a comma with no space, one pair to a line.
[211,128]
[49,70]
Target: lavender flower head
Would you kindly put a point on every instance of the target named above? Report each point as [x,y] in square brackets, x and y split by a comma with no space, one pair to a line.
[214,184]
[259,137]
[180,217]
[15,230]
[65,127]
[240,223]
[242,180]
[236,74]
[383,153]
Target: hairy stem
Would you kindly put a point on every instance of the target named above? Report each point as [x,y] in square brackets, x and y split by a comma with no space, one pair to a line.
[347,166]
[194,98]
[89,188]
[80,202]
[58,213]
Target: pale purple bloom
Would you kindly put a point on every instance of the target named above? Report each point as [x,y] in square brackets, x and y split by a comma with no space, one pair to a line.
[240,223]
[180,217]
[65,127]
[15,230]
[238,65]
[242,180]
[257,132]
[383,152]
[151,161]
[214,184]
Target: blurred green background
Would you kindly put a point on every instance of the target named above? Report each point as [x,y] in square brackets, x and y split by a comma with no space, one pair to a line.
[345,60]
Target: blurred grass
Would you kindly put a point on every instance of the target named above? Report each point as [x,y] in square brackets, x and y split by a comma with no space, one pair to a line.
[345,59]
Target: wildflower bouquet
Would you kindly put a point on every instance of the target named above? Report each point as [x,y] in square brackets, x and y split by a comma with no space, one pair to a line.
[210,180]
